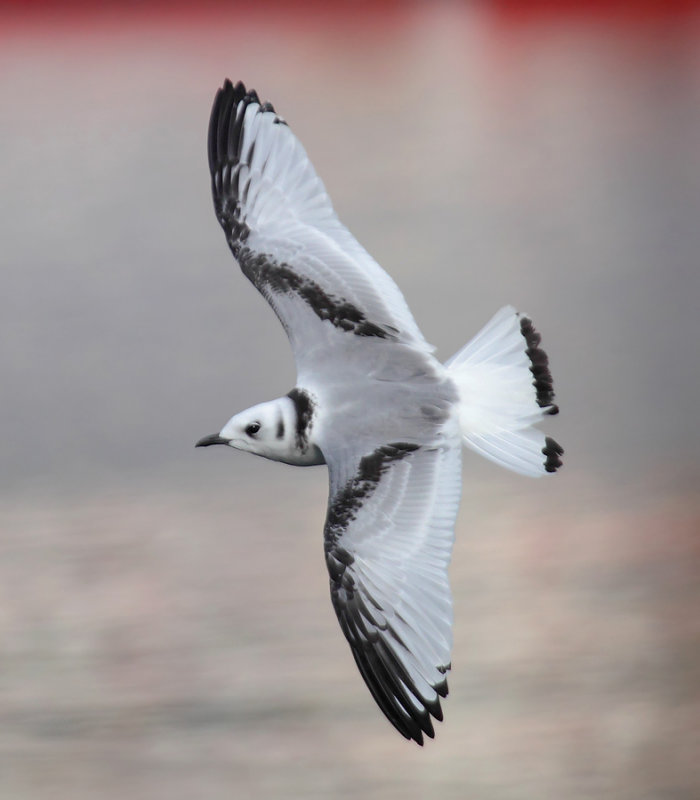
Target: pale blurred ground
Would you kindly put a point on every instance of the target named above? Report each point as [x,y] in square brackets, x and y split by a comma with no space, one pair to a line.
[165,628]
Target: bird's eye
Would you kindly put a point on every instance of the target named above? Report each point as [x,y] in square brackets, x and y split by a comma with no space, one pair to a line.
[253,428]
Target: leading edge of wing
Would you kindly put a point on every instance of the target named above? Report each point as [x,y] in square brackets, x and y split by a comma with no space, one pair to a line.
[388,576]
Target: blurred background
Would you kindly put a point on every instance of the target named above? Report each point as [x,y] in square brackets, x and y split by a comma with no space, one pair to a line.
[165,625]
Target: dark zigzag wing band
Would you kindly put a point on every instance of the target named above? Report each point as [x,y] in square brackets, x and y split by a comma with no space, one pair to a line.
[386,677]
[270,276]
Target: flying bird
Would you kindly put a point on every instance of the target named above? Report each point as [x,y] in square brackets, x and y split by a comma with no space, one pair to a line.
[373,403]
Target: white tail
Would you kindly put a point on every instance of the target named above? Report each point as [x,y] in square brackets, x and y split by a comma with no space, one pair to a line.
[505,388]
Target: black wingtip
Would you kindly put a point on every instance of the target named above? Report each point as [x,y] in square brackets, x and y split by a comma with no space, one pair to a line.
[226,132]
[227,98]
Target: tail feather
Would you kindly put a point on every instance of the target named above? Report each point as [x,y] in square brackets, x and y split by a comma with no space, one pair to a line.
[505,388]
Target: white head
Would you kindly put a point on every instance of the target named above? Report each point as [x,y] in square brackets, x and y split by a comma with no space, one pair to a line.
[268,430]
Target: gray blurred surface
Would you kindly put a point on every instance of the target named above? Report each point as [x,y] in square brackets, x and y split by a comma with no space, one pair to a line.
[165,628]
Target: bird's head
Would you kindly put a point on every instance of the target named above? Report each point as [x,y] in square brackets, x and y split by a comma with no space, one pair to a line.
[262,430]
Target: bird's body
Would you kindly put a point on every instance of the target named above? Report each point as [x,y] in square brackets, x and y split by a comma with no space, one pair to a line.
[373,403]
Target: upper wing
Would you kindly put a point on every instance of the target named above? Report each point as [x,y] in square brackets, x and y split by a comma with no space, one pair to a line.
[388,543]
[282,229]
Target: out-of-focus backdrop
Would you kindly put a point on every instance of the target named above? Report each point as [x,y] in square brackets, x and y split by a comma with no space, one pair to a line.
[165,626]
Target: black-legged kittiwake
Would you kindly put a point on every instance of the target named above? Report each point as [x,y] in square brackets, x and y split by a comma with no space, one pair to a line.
[373,403]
